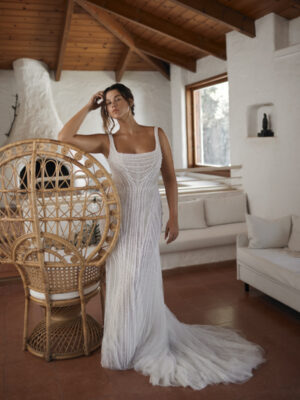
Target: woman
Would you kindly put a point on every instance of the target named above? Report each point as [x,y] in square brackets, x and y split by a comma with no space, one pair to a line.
[140,332]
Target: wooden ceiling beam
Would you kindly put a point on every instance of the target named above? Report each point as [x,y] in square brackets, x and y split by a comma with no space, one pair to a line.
[108,22]
[221,13]
[295,3]
[166,55]
[113,26]
[123,64]
[64,40]
[162,26]
[159,65]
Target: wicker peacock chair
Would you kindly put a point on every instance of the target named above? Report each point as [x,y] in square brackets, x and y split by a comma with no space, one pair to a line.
[59,220]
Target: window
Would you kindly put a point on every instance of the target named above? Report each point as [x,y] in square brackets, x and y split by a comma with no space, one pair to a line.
[208,123]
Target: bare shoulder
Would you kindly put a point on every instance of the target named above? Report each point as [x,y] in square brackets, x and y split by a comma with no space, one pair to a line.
[167,166]
[162,134]
[150,129]
[147,130]
[163,139]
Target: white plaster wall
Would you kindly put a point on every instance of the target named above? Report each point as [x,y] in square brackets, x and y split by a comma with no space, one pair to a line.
[206,68]
[151,93]
[178,117]
[8,91]
[259,73]
[294,31]
[150,89]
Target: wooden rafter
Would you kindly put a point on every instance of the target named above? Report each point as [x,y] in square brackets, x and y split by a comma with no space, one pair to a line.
[162,26]
[221,13]
[295,3]
[64,40]
[166,55]
[123,64]
[113,26]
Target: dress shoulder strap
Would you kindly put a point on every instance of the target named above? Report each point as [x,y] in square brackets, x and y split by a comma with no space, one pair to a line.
[111,144]
[111,140]
[156,137]
[157,141]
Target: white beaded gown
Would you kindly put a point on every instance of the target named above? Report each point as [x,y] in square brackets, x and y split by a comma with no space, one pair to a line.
[140,332]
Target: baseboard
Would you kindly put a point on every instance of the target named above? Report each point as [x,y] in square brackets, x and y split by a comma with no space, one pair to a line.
[191,268]
[10,279]
[8,271]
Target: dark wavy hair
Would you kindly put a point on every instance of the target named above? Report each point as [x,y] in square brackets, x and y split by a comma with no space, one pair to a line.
[125,92]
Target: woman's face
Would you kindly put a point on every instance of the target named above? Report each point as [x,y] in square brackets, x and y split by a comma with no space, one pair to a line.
[116,105]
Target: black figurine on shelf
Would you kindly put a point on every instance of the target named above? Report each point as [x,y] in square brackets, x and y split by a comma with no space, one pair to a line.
[265,131]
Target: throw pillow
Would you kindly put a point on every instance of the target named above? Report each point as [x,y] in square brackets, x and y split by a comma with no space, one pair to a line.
[294,242]
[190,214]
[225,209]
[266,233]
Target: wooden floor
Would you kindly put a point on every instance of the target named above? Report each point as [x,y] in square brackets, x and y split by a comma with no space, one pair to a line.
[199,296]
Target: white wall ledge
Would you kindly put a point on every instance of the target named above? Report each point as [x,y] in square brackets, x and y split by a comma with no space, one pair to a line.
[261,137]
[288,51]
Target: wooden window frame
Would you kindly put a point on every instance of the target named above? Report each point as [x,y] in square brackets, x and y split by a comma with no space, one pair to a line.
[190,123]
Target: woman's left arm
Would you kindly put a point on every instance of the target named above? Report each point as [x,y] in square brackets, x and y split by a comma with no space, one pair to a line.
[169,178]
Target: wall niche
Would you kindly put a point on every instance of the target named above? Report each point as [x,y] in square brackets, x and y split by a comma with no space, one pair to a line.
[255,114]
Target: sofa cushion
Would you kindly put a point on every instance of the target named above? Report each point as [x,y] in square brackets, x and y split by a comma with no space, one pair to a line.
[225,209]
[294,241]
[200,238]
[275,263]
[190,214]
[265,233]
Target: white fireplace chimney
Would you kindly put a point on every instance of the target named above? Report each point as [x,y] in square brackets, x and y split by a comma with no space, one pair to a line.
[37,116]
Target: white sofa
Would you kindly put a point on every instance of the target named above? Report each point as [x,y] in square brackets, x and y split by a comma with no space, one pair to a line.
[208,226]
[274,271]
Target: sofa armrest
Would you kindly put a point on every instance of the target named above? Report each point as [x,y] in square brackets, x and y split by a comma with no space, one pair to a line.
[242,240]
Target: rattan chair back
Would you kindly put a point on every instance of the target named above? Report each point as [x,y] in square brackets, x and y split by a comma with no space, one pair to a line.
[59,217]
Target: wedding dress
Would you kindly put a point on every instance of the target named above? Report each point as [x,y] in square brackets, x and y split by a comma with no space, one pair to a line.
[140,332]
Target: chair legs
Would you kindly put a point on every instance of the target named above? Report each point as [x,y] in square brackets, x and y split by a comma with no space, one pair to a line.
[25,328]
[65,332]
[84,328]
[48,333]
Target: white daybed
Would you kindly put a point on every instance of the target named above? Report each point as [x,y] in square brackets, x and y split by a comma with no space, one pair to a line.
[274,271]
[208,227]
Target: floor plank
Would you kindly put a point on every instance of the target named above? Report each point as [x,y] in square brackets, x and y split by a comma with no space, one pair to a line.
[204,295]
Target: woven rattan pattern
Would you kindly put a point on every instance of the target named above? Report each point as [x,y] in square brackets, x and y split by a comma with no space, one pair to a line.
[60,337]
[59,220]
[47,212]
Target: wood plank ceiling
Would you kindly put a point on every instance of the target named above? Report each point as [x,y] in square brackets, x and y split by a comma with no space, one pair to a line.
[125,35]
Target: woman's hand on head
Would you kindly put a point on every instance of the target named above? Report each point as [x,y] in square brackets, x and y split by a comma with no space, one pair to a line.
[171,231]
[96,101]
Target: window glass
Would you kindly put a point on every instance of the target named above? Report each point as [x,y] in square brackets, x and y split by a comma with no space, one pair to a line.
[211,120]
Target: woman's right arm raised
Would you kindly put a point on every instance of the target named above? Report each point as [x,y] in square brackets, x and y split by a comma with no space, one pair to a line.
[97,143]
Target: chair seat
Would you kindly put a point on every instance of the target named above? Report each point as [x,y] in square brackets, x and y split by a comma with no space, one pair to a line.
[64,296]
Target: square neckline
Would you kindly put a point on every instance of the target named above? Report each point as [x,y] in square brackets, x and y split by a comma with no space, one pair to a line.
[136,154]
